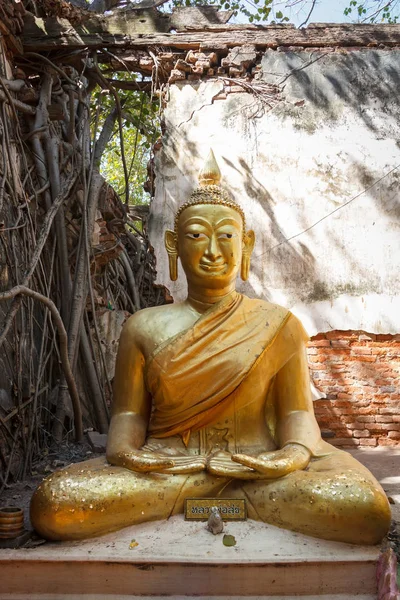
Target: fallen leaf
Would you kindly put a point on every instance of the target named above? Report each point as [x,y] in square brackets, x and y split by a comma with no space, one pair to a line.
[229,540]
[133,544]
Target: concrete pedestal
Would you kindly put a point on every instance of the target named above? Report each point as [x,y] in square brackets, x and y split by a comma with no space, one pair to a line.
[181,559]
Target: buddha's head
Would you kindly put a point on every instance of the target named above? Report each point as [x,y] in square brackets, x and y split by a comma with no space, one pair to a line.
[210,236]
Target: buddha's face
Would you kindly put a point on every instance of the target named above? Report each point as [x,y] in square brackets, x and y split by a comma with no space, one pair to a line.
[210,243]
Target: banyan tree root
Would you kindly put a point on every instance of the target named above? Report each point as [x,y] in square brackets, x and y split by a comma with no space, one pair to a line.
[21,289]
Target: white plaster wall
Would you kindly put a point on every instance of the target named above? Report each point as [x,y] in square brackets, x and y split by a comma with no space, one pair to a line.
[291,167]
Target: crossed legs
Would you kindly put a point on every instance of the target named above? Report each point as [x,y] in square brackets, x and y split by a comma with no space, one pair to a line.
[335,498]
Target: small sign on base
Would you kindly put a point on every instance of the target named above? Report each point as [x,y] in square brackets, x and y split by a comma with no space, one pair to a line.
[230,509]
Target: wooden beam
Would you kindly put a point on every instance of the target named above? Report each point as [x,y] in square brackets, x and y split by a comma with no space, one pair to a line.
[55,33]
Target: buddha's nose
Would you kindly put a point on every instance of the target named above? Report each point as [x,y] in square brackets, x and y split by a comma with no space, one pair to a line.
[213,250]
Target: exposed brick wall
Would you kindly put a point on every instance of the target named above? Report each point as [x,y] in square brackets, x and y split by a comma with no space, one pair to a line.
[360,374]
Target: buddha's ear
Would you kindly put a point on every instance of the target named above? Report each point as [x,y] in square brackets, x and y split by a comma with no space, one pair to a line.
[249,240]
[171,242]
[171,245]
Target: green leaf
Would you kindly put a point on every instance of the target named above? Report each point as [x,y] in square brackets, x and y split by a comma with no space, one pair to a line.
[229,540]
[279,14]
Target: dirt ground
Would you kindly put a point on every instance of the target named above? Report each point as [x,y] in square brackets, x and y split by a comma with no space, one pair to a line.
[19,494]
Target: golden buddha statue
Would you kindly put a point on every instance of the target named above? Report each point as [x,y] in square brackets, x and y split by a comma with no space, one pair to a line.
[212,398]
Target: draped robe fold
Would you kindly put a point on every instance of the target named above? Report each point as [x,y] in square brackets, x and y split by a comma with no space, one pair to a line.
[193,376]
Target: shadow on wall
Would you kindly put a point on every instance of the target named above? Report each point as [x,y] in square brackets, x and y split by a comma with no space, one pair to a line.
[293,267]
[366,80]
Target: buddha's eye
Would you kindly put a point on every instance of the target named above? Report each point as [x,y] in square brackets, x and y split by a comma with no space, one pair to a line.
[226,236]
[196,236]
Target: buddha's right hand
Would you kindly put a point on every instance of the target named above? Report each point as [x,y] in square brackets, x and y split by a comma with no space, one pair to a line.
[141,461]
[186,465]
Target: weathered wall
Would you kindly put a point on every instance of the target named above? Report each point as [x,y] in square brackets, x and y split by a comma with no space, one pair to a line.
[324,140]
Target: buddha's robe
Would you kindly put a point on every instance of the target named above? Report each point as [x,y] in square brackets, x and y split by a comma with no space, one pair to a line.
[237,381]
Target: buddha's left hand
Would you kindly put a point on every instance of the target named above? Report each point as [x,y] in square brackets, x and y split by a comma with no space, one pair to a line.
[267,465]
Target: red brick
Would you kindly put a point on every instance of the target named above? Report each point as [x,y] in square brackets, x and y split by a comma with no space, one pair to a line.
[338,335]
[312,351]
[319,343]
[394,435]
[384,418]
[389,410]
[368,442]
[322,402]
[387,442]
[343,395]
[337,425]
[362,403]
[368,389]
[360,350]
[356,425]
[358,357]
[340,344]
[383,337]
[366,419]
[344,442]
[342,404]
[317,359]
[367,410]
[366,337]
[319,336]
[384,426]
[361,433]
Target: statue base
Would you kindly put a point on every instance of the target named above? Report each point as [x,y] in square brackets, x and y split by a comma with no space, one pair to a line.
[182,559]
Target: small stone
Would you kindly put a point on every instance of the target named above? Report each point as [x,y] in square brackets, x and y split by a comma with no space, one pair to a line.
[215,523]
[97,441]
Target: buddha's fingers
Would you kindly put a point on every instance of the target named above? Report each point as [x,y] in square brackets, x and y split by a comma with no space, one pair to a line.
[187,465]
[225,468]
[268,469]
[146,464]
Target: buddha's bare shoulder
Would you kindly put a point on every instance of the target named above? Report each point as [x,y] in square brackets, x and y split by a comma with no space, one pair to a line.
[152,326]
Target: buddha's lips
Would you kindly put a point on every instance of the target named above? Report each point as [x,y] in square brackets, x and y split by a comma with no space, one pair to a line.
[212,267]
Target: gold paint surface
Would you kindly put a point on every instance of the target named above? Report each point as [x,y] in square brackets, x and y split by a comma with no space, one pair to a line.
[212,399]
[230,509]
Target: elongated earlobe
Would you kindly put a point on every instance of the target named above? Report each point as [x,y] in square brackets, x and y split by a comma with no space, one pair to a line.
[248,245]
[173,266]
[172,249]
[245,267]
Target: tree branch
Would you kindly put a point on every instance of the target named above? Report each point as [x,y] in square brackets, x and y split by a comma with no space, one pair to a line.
[309,14]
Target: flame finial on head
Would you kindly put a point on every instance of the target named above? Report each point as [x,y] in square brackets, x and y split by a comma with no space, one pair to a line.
[210,174]
[210,191]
